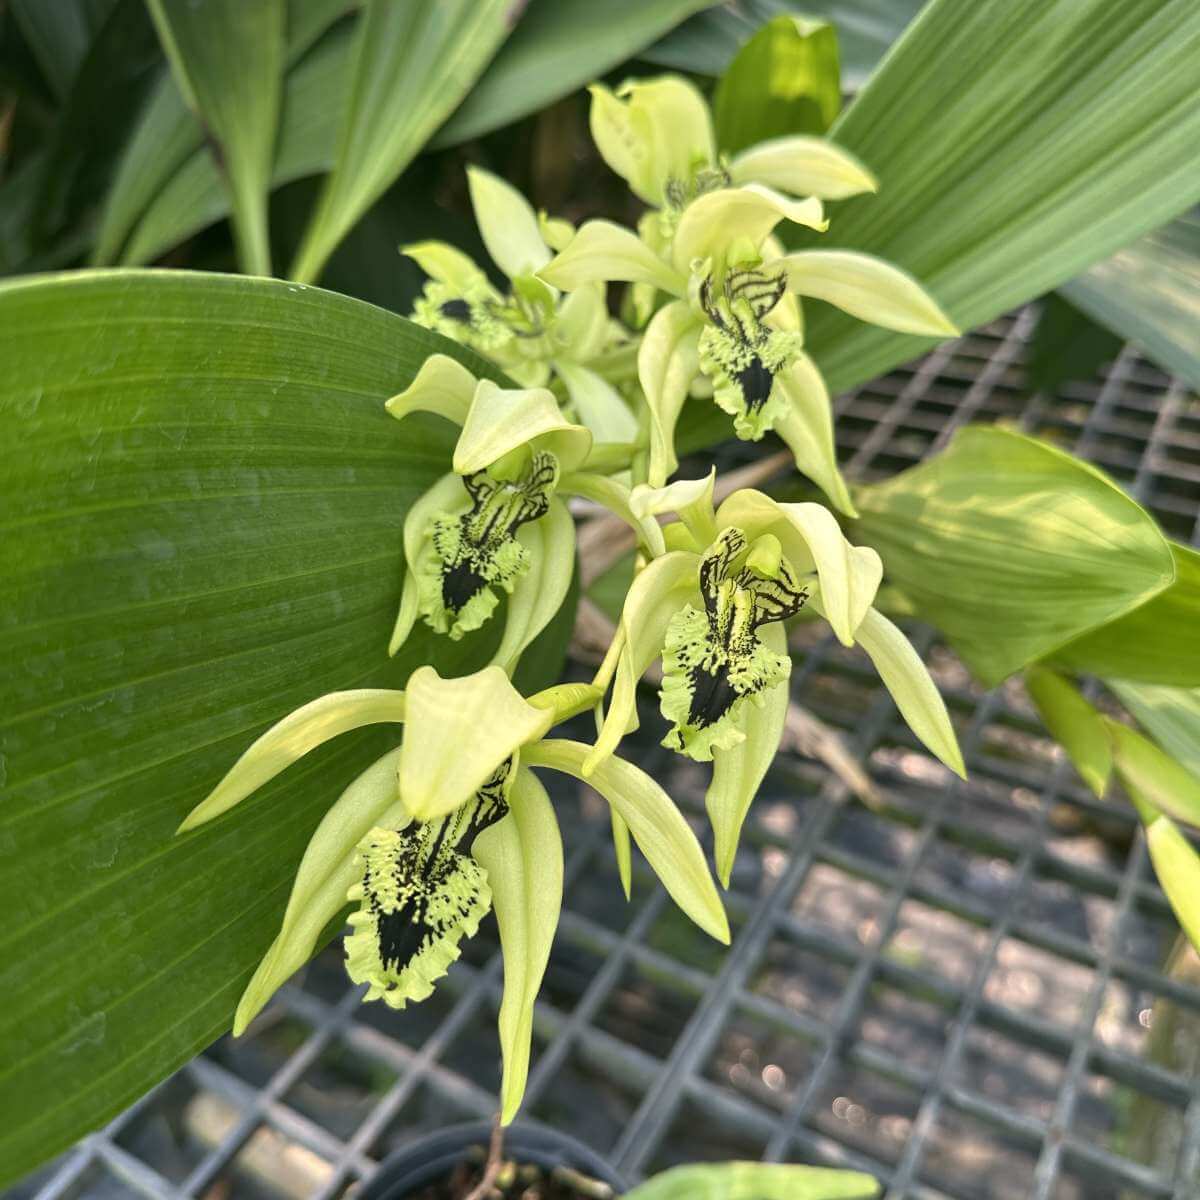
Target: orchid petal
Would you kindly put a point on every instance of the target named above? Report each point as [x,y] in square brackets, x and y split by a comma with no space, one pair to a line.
[442,386]
[668,360]
[503,419]
[508,224]
[803,166]
[603,251]
[807,428]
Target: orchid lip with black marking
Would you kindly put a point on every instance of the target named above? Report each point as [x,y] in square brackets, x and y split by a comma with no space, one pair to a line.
[473,552]
[714,660]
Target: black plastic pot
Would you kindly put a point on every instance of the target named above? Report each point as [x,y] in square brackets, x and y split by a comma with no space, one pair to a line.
[434,1157]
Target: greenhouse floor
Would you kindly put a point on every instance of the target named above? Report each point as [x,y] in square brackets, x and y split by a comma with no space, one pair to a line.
[963,988]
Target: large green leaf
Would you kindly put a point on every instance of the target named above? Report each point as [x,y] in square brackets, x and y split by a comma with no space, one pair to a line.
[1011,547]
[1016,143]
[412,65]
[59,34]
[1156,643]
[228,59]
[202,501]
[559,46]
[1150,293]
[168,136]
[708,42]
[755,1181]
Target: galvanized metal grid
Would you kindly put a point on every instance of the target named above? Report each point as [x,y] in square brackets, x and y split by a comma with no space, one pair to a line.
[961,990]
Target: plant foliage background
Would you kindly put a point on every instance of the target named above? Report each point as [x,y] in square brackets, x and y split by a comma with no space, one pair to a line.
[203,496]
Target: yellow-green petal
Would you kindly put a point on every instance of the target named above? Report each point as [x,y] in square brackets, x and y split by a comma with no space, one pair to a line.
[598,404]
[812,539]
[501,420]
[804,166]
[604,252]
[710,224]
[739,770]
[445,263]
[292,738]
[691,499]
[652,132]
[458,732]
[907,679]
[523,858]
[668,361]
[540,592]
[868,288]
[508,224]
[807,427]
[326,873]
[657,826]
[442,386]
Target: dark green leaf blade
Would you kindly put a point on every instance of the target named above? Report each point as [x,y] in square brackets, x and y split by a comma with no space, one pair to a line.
[1150,293]
[1011,547]
[202,516]
[228,59]
[997,182]
[559,46]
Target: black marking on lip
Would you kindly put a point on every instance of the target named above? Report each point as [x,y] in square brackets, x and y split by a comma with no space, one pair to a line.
[460,582]
[456,310]
[401,935]
[712,695]
[755,382]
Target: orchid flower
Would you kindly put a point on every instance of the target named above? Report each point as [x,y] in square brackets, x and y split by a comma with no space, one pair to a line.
[448,825]
[712,608]
[734,320]
[532,333]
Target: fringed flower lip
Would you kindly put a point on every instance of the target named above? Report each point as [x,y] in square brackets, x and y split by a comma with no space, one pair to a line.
[713,607]
[449,824]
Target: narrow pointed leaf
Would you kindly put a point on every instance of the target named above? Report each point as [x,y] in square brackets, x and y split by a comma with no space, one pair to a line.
[657,826]
[523,857]
[1154,775]
[1011,547]
[1075,724]
[907,679]
[228,59]
[1170,715]
[1177,866]
[412,65]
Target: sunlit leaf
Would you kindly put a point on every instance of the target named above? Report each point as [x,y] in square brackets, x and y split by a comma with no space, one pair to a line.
[755,1181]
[1011,547]
[1170,715]
[1152,774]
[1075,724]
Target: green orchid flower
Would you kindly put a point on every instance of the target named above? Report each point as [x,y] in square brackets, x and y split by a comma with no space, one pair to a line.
[536,336]
[734,325]
[712,609]
[494,524]
[450,824]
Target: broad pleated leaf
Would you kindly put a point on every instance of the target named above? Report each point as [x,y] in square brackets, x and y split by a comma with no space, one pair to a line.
[998,181]
[559,45]
[202,501]
[1149,293]
[1075,724]
[1011,547]
[412,65]
[1158,642]
[523,857]
[228,60]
